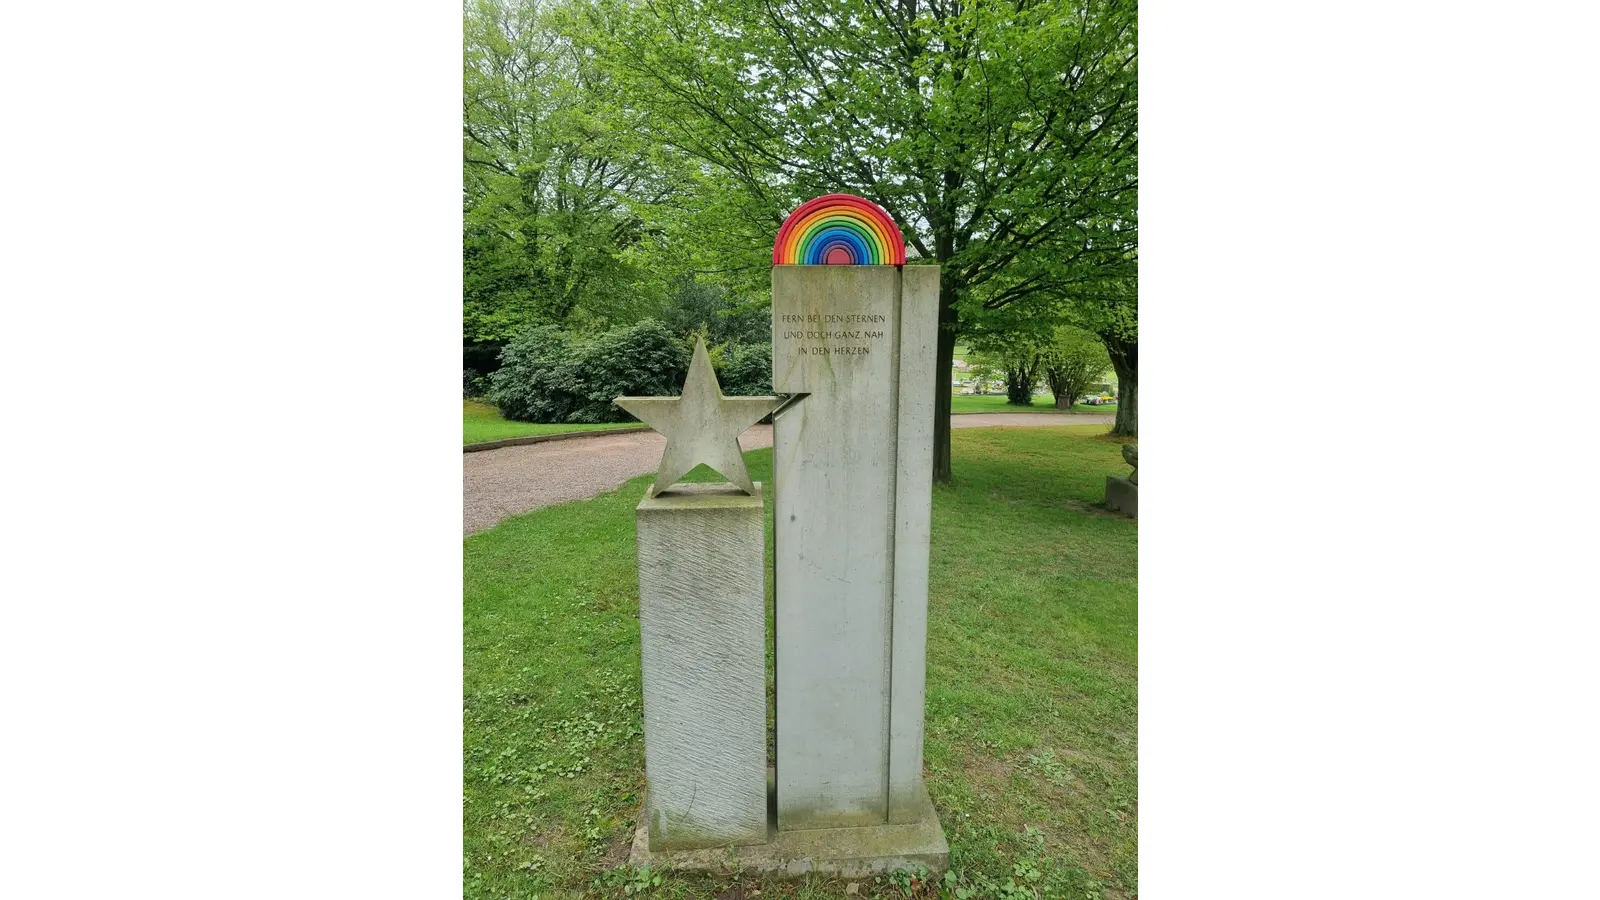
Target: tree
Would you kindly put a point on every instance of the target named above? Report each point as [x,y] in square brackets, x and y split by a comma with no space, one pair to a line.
[1019,382]
[1071,361]
[1002,137]
[1110,310]
[1015,356]
[695,307]
[552,176]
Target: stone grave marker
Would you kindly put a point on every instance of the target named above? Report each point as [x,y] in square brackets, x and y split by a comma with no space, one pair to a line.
[854,333]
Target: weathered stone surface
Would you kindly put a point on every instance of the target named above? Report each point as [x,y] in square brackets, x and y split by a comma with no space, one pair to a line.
[913,506]
[834,458]
[702,626]
[916,843]
[853,467]
[1122,495]
[701,426]
[1130,454]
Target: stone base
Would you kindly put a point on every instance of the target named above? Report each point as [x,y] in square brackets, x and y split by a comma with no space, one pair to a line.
[1122,495]
[702,651]
[846,852]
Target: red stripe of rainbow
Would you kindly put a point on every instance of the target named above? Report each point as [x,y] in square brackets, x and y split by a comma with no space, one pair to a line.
[839,229]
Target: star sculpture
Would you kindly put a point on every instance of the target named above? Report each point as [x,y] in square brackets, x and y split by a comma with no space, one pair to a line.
[701,426]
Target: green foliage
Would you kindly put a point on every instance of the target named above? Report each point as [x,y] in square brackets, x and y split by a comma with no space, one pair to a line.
[614,150]
[745,370]
[535,380]
[550,376]
[1071,360]
[711,310]
[904,883]
[1023,344]
[638,360]
[552,174]
[1110,309]
[1001,137]
[627,882]
[1014,356]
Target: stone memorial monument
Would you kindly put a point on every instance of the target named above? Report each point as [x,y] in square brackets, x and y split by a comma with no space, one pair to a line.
[854,331]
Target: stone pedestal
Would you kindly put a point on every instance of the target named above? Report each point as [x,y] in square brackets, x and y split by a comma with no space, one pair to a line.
[1122,495]
[853,463]
[702,626]
[860,852]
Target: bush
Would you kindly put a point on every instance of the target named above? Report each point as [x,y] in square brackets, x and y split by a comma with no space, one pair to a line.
[533,383]
[746,370]
[547,376]
[643,360]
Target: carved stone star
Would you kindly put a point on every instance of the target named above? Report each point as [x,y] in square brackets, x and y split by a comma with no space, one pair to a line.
[701,426]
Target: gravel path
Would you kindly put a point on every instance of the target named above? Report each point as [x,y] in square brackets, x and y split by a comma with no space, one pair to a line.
[513,480]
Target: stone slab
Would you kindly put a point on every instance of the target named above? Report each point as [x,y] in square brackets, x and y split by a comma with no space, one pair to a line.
[913,509]
[702,623]
[918,843]
[1122,495]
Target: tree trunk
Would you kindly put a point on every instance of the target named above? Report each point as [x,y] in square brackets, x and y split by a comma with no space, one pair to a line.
[944,359]
[1125,360]
[1019,387]
[1065,383]
[1054,376]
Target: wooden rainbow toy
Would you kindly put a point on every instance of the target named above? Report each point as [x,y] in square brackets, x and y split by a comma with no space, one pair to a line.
[839,230]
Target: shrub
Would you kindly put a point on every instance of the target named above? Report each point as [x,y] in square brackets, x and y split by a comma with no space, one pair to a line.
[746,370]
[547,376]
[534,381]
[640,360]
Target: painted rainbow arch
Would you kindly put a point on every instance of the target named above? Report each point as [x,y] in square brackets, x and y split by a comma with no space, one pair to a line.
[839,230]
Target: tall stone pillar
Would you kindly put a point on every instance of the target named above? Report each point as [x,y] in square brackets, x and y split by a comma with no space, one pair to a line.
[852,477]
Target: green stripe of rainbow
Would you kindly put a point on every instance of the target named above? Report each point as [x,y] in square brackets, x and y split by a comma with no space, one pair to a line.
[839,229]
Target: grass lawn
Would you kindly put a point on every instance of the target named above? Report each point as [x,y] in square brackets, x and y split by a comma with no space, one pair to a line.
[996,403]
[1031,704]
[482,422]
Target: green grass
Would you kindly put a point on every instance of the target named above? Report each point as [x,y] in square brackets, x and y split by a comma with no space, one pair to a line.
[996,403]
[1031,703]
[482,422]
